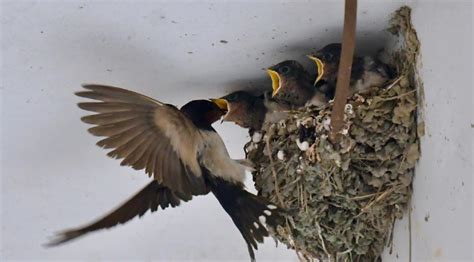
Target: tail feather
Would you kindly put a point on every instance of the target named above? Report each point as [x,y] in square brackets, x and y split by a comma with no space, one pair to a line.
[250,213]
[150,197]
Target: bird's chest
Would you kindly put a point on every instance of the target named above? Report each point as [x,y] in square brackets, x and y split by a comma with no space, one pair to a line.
[298,95]
[215,158]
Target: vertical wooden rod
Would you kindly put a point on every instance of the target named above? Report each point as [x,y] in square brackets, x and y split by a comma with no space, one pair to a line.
[345,66]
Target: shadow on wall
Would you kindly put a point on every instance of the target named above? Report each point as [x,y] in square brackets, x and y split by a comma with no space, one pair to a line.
[368,43]
[148,66]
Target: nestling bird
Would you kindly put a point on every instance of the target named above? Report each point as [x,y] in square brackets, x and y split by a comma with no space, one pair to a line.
[292,84]
[366,71]
[250,111]
[181,151]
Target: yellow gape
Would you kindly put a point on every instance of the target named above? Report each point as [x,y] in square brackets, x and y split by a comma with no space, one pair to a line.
[276,83]
[320,67]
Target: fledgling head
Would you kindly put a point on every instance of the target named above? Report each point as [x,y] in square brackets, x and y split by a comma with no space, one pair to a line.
[239,97]
[203,113]
[239,106]
[327,61]
[287,74]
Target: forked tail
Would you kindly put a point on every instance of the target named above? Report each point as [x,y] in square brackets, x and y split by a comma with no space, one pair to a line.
[251,214]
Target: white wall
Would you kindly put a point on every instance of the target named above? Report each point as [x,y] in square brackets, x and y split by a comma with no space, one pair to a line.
[54,177]
[442,204]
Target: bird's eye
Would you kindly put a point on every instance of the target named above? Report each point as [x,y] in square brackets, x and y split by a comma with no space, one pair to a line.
[284,69]
[328,56]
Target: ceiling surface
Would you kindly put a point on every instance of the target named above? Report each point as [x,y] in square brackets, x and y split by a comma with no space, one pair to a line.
[54,177]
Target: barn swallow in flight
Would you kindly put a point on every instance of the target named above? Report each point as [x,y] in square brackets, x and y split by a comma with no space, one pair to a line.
[291,83]
[250,111]
[181,151]
[366,71]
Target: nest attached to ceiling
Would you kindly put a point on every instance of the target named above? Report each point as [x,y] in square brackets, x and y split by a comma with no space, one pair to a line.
[344,198]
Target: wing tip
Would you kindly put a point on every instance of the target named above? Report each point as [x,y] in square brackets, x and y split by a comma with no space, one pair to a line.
[84,93]
[81,93]
[81,105]
[62,237]
[87,86]
[90,86]
[87,120]
[95,131]
[97,87]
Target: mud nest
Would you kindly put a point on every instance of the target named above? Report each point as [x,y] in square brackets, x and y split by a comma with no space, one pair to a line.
[344,197]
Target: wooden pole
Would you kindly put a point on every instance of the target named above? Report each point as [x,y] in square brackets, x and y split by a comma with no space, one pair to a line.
[345,66]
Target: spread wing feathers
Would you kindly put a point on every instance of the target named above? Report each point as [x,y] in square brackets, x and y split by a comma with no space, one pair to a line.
[250,213]
[150,197]
[146,134]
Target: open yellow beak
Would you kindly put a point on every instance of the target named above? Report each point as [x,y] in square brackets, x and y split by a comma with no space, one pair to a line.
[276,83]
[320,67]
[221,103]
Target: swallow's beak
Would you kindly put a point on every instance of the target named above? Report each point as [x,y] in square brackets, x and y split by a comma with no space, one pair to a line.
[320,67]
[276,81]
[222,104]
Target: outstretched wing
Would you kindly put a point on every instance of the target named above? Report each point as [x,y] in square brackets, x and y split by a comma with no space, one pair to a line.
[150,197]
[147,134]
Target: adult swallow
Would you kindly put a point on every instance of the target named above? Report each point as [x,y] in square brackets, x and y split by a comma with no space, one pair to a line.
[292,84]
[250,111]
[183,154]
[366,71]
